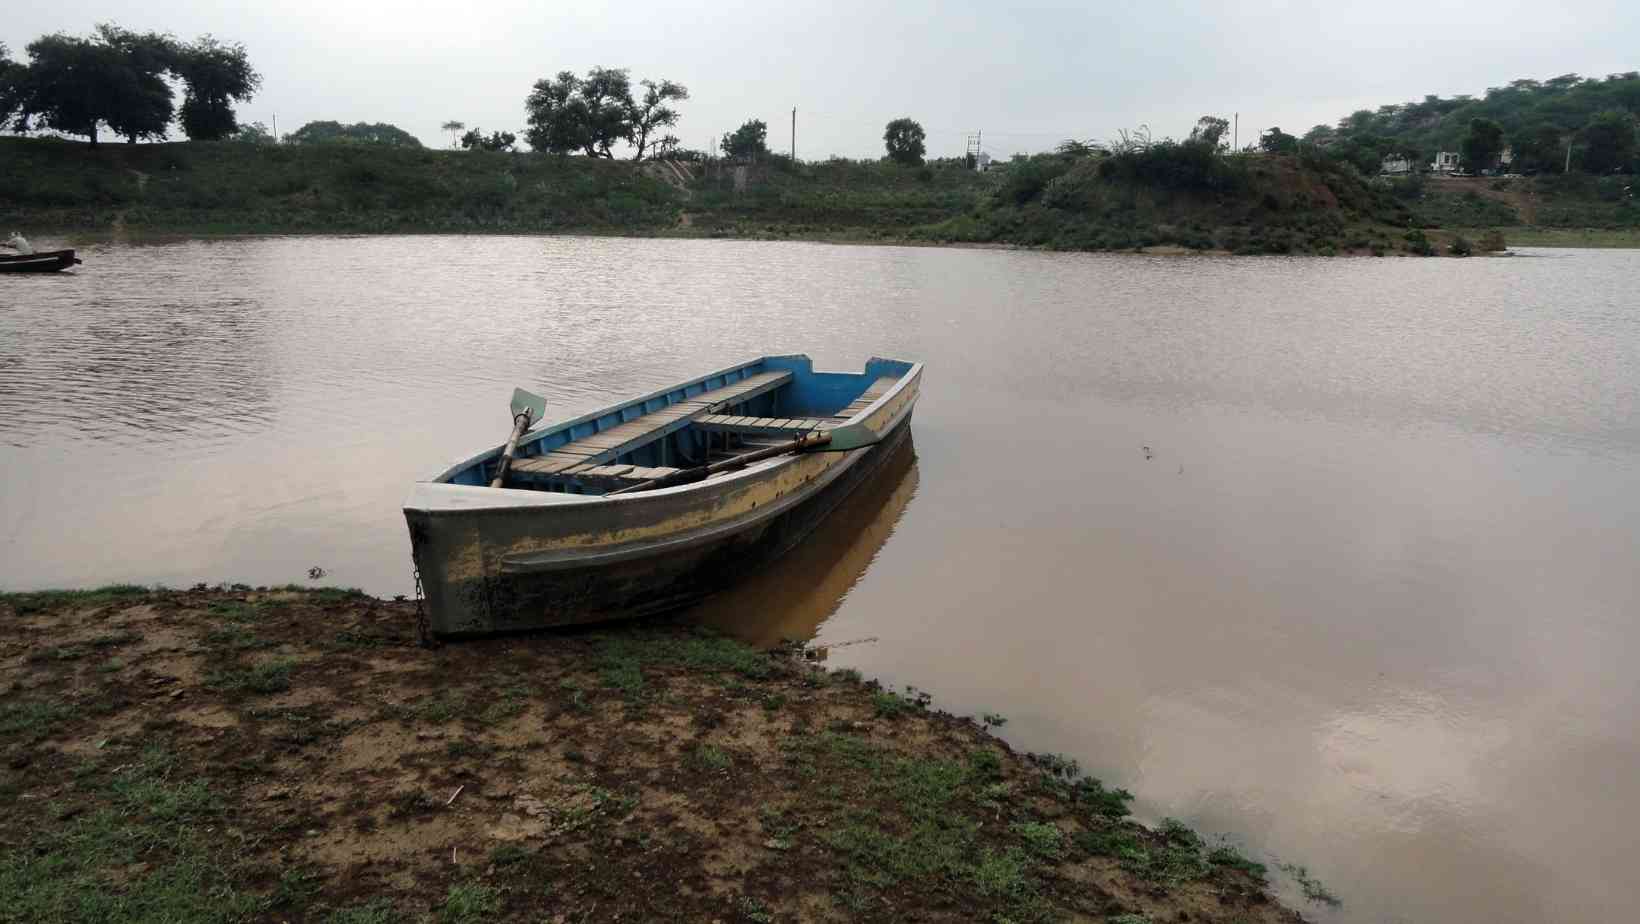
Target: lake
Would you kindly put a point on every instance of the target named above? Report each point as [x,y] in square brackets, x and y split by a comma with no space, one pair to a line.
[1334,559]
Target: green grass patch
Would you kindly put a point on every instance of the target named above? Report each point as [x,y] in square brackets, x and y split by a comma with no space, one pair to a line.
[890,705]
[379,911]
[508,854]
[712,758]
[1229,857]
[1041,838]
[334,596]
[237,611]
[469,903]
[438,708]
[1312,888]
[706,653]
[31,720]
[271,676]
[37,601]
[69,871]
[985,763]
[508,703]
[236,638]
[1003,873]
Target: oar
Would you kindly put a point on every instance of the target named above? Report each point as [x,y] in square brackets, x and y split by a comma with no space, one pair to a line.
[842,439]
[526,408]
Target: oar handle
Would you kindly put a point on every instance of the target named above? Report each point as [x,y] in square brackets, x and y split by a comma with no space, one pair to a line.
[811,440]
[521,422]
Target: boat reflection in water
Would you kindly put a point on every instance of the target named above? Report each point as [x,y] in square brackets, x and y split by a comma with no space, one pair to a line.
[791,598]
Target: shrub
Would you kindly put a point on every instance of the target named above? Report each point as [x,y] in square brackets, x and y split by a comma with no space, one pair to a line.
[1418,243]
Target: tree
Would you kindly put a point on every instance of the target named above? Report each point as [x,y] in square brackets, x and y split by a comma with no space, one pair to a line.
[331,132]
[11,74]
[1609,142]
[1482,145]
[454,128]
[748,141]
[903,138]
[70,86]
[1209,131]
[1538,148]
[214,74]
[475,140]
[606,94]
[254,133]
[594,113]
[140,105]
[1276,141]
[556,115]
[1072,149]
[653,113]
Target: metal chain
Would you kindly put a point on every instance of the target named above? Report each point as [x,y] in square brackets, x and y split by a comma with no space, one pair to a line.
[424,626]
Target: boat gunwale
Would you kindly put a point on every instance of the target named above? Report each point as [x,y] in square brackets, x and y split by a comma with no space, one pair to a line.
[570,559]
[515,498]
[541,431]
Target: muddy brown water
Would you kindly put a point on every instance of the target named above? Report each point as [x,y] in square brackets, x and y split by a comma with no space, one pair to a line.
[1332,558]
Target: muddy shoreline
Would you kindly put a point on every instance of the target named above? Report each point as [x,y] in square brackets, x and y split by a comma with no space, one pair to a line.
[241,754]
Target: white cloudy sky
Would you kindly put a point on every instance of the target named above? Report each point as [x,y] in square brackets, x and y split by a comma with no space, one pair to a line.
[1028,75]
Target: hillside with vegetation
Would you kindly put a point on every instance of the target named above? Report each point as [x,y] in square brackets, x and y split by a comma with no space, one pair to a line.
[1250,203]
[1594,119]
[1185,195]
[228,187]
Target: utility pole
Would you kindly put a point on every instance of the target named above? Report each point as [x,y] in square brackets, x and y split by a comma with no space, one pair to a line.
[276,128]
[794,134]
[1568,158]
[1235,136]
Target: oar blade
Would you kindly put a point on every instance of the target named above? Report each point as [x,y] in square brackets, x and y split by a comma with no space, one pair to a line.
[523,401]
[850,436]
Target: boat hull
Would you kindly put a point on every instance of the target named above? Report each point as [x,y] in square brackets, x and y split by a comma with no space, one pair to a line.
[553,561]
[50,261]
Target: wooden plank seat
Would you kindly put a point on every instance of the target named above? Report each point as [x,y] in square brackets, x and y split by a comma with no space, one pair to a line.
[612,476]
[609,444]
[873,391]
[773,426]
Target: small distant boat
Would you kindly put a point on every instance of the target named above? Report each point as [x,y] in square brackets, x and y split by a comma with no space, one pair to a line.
[49,261]
[653,503]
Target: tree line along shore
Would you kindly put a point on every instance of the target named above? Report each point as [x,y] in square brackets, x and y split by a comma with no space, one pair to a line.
[234,753]
[1319,194]
[1166,196]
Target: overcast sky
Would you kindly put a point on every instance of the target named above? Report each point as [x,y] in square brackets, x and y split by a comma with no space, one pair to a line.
[1027,75]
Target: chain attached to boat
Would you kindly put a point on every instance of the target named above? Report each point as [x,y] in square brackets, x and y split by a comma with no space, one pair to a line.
[424,627]
[424,623]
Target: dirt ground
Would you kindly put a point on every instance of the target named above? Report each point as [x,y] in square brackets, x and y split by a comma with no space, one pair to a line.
[234,754]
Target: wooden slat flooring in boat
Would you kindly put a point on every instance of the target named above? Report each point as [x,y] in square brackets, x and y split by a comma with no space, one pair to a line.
[606,445]
[874,391]
[776,426]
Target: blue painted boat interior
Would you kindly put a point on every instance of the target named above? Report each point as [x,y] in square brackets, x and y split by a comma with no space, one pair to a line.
[808,394]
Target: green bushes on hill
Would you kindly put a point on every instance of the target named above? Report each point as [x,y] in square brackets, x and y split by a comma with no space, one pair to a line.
[231,186]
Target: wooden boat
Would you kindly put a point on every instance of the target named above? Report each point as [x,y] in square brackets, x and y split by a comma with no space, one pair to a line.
[49,261]
[558,546]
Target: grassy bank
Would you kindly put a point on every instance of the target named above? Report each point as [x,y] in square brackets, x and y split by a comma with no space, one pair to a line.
[233,754]
[210,187]
[1168,198]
